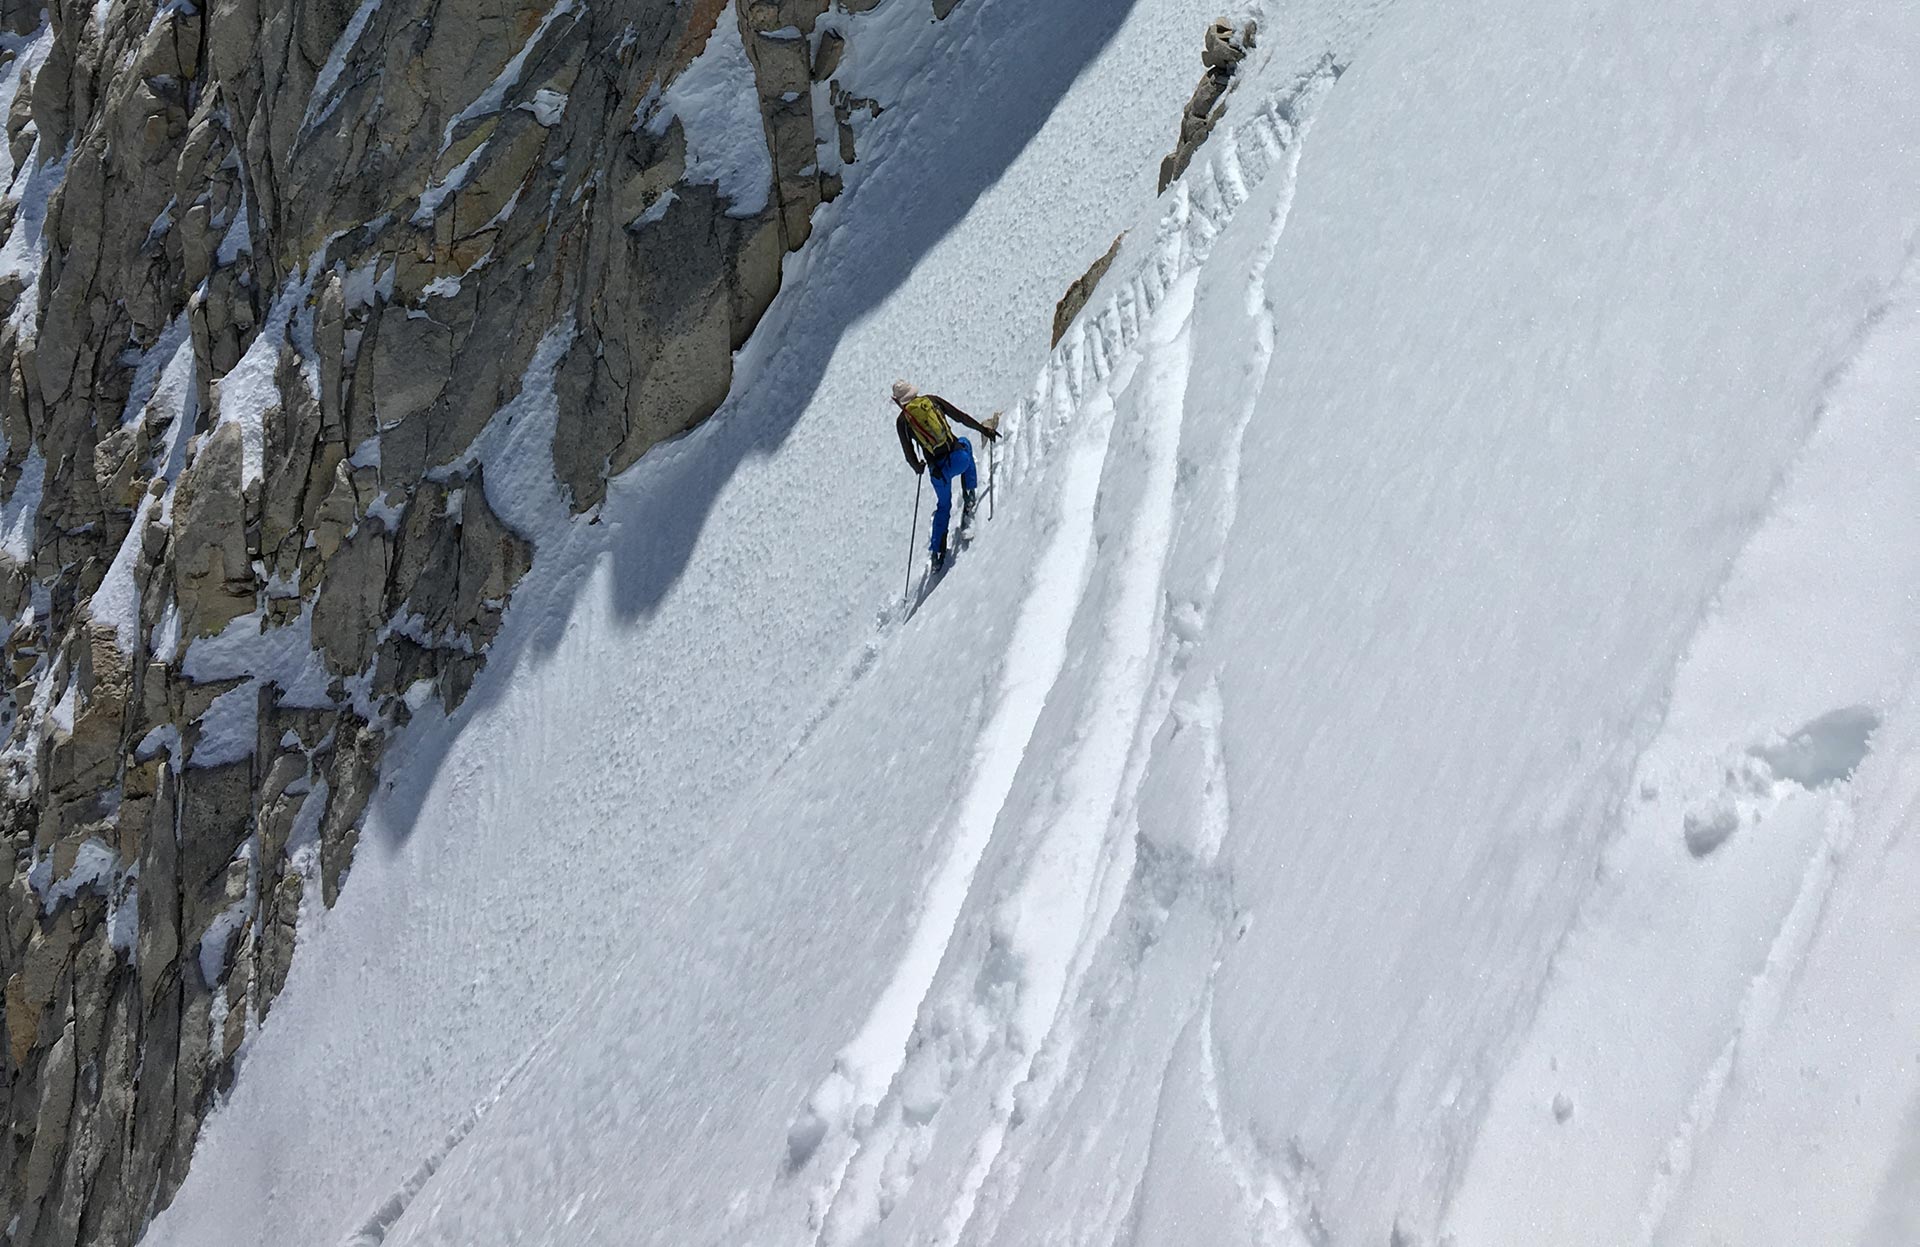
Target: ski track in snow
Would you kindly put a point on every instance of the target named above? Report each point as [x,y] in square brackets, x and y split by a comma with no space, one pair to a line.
[1036,653]
[1280,1216]
[421,1157]
[1816,519]
[374,1231]
[1170,706]
[1046,925]
[1274,1208]
[1132,352]
[1057,1032]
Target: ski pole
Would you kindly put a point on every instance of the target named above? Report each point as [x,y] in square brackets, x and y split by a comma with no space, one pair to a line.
[920,480]
[990,478]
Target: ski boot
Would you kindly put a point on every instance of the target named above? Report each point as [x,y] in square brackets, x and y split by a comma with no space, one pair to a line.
[966,514]
[938,562]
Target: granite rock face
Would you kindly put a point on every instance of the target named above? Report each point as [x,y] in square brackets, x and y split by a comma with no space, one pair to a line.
[1225,46]
[272,273]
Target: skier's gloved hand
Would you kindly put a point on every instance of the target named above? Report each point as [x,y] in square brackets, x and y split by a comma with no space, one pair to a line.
[991,427]
[919,468]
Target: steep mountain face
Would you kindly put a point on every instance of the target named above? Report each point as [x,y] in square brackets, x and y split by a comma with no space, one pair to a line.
[286,288]
[1423,751]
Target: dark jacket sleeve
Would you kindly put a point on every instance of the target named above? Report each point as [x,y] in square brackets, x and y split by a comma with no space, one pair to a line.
[906,441]
[954,413]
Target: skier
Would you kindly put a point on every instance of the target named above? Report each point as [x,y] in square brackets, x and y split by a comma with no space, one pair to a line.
[922,424]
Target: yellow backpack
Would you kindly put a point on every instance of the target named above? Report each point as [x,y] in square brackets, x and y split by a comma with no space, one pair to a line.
[929,427]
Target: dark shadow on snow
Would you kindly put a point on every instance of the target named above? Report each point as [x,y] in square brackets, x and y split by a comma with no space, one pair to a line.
[965,124]
[967,128]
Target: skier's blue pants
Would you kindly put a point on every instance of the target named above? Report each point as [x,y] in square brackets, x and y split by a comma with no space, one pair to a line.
[943,468]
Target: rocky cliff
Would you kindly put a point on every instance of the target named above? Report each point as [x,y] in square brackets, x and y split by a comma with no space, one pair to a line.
[281,285]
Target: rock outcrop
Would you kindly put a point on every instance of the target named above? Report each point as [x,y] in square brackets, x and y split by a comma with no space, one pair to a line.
[273,273]
[1227,44]
[1075,299]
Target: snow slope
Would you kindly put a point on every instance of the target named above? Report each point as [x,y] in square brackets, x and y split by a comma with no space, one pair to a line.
[1423,747]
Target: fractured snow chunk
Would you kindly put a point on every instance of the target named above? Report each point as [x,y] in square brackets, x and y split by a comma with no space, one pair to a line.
[358,290]
[219,937]
[656,211]
[165,737]
[366,454]
[499,218]
[116,603]
[283,656]
[163,640]
[389,513]
[238,240]
[22,510]
[1709,827]
[123,918]
[250,390]
[547,106]
[516,447]
[306,824]
[62,712]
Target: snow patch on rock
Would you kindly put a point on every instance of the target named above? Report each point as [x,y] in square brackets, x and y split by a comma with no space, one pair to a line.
[716,102]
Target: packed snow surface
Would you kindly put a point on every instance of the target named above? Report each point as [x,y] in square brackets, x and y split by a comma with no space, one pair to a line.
[1422,752]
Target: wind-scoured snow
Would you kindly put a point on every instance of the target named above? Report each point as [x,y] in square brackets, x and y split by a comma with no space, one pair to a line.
[1424,746]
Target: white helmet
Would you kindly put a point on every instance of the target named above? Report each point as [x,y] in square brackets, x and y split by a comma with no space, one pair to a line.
[904,393]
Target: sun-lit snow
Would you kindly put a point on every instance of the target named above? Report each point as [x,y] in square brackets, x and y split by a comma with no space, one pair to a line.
[1421,749]
[717,105]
